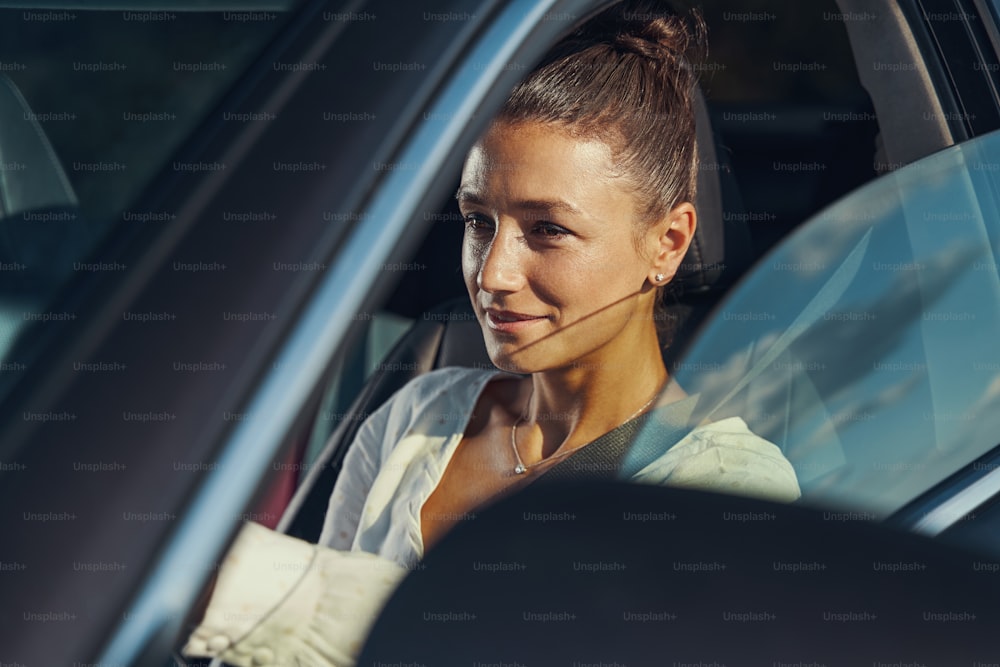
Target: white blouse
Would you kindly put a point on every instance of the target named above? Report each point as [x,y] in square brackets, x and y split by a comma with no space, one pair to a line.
[261,615]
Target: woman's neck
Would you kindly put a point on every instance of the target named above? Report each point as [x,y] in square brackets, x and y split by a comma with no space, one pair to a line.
[569,407]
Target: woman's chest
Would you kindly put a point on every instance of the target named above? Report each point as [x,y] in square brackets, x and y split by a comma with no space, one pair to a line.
[480,471]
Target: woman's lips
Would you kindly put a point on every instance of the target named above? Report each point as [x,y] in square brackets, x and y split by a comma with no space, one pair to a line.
[510,322]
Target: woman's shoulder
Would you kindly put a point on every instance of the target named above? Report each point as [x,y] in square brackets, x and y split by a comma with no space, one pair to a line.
[727,457]
[450,382]
[451,390]
[451,375]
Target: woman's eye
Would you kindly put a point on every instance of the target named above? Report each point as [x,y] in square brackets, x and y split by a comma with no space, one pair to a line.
[549,230]
[475,222]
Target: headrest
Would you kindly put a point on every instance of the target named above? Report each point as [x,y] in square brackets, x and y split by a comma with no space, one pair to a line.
[721,249]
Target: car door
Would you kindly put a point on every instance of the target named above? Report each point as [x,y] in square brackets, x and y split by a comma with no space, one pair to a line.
[875,370]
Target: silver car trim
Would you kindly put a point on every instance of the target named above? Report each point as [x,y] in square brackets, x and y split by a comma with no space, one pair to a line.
[205,528]
[954,509]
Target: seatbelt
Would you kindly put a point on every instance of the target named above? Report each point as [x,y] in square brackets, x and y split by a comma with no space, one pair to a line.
[613,455]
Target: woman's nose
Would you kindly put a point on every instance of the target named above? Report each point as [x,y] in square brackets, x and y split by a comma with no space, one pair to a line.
[501,269]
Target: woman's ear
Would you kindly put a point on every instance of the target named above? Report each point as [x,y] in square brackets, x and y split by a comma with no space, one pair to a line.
[673,236]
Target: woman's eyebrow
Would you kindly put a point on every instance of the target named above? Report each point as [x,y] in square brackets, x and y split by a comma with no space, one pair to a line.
[467,196]
[547,205]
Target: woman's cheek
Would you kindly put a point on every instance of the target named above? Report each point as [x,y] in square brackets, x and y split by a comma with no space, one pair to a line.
[603,270]
[608,278]
[566,281]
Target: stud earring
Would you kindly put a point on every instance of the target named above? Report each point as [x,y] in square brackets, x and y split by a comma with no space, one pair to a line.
[659,277]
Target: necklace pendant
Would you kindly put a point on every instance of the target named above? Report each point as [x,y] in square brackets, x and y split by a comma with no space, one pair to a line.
[519,469]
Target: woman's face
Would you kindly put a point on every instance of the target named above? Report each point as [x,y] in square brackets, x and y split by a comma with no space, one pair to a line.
[549,256]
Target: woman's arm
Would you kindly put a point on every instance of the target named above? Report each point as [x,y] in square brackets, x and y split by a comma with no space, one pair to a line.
[280,600]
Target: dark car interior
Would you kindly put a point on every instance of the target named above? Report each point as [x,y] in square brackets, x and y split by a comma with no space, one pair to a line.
[772,154]
[781,135]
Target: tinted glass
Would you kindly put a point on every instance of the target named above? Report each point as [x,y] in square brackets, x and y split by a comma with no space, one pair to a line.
[93,105]
[865,346]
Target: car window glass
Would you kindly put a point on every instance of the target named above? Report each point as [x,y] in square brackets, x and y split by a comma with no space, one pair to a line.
[93,104]
[864,346]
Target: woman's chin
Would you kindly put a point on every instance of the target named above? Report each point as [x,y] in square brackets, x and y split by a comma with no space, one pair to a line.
[509,365]
[513,361]
[523,363]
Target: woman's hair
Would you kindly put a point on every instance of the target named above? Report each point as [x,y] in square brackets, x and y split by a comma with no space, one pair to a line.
[625,77]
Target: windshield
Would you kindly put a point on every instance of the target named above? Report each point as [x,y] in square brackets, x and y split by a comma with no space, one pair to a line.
[865,346]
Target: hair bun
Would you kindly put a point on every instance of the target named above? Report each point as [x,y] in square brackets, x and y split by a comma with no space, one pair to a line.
[649,29]
[623,78]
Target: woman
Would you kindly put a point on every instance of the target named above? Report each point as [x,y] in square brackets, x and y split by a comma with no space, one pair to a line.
[577,207]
